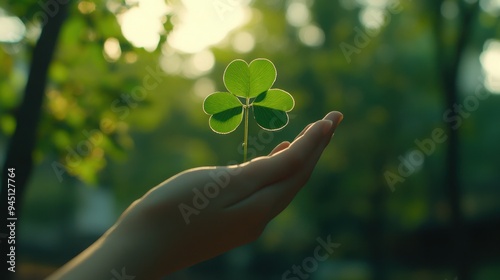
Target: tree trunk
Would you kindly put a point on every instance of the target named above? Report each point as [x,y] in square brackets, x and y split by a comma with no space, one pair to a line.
[449,66]
[23,141]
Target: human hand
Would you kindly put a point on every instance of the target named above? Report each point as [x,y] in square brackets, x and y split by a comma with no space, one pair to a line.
[204,212]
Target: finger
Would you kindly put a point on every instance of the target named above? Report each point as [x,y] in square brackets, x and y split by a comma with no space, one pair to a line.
[303,131]
[287,189]
[330,116]
[275,197]
[336,117]
[280,147]
[294,156]
[263,171]
[272,199]
[278,196]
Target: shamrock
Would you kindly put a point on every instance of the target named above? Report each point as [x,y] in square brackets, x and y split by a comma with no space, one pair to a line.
[251,83]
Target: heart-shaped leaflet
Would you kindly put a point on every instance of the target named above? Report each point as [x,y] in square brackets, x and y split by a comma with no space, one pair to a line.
[252,82]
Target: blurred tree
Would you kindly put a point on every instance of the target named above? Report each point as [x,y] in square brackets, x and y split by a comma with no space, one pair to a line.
[404,71]
[449,58]
[22,143]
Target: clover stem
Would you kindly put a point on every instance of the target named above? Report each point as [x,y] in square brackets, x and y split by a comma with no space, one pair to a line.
[245,139]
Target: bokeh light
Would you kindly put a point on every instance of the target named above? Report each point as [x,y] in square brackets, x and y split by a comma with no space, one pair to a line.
[243,42]
[143,24]
[311,35]
[490,60]
[112,50]
[298,14]
[201,24]
[12,29]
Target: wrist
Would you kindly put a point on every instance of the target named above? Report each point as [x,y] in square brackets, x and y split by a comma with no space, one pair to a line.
[137,244]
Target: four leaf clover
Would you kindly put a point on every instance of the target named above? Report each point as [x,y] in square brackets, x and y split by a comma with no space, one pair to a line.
[252,83]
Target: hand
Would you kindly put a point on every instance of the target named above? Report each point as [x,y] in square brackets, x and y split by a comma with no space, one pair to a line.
[204,212]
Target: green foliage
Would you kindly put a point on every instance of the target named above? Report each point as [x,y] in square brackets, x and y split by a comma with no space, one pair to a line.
[390,93]
[253,83]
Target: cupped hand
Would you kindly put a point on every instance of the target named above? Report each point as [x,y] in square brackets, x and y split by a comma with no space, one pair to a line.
[207,211]
[204,212]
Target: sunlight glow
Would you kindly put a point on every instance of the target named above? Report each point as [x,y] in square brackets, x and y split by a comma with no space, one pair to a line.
[86,7]
[243,42]
[490,60]
[312,36]
[203,61]
[297,14]
[12,29]
[372,17]
[203,87]
[491,6]
[202,23]
[112,50]
[196,65]
[171,63]
[130,57]
[143,24]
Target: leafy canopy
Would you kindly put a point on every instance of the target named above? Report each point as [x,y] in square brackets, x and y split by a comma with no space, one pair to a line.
[251,82]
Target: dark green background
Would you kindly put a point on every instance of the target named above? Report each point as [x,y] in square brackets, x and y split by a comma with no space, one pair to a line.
[442,222]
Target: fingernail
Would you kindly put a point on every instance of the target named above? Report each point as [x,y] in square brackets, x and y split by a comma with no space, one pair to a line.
[338,118]
[334,116]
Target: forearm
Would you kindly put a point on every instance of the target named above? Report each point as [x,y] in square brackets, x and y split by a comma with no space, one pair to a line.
[139,247]
[121,253]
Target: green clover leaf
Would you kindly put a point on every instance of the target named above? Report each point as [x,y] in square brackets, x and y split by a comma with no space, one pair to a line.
[270,109]
[226,110]
[248,81]
[252,83]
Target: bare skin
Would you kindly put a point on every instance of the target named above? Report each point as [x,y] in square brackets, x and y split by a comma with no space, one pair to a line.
[152,238]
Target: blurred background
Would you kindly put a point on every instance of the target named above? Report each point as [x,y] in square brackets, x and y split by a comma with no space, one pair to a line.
[103,99]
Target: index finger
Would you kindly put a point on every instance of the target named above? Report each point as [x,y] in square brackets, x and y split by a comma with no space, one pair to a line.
[288,160]
[267,170]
